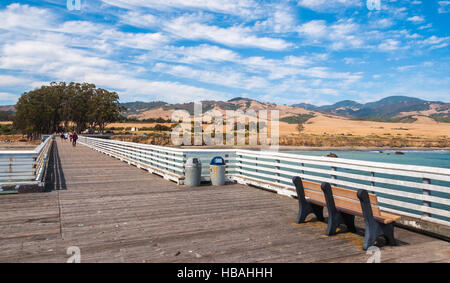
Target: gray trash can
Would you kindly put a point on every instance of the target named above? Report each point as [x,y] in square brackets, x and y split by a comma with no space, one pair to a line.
[217,171]
[193,172]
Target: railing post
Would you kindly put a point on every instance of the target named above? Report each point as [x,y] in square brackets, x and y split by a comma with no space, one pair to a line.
[334,176]
[372,183]
[426,193]
[184,164]
[226,164]
[240,165]
[167,159]
[10,168]
[278,168]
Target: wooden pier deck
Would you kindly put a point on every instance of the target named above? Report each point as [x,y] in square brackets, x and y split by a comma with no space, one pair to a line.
[118,213]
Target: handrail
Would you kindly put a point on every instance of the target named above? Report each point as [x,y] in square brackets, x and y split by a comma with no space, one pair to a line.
[24,166]
[416,191]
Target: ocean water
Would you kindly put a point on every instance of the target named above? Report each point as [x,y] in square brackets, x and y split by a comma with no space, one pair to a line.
[439,159]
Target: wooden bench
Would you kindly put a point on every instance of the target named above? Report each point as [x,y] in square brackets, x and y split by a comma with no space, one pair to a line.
[343,205]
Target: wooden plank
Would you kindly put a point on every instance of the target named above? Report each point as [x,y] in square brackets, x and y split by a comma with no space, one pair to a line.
[122,214]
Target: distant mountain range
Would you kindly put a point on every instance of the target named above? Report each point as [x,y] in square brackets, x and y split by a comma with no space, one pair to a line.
[8,108]
[389,107]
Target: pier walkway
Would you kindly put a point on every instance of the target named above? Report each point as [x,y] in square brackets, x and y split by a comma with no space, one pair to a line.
[115,212]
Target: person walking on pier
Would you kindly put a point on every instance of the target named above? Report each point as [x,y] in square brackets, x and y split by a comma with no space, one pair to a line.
[74,139]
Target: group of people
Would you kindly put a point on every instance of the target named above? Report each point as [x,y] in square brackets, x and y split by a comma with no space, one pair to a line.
[73,138]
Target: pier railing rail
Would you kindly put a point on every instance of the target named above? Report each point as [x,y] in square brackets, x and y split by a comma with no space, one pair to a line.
[419,192]
[24,166]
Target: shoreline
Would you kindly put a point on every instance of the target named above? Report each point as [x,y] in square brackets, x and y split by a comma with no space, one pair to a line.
[309,148]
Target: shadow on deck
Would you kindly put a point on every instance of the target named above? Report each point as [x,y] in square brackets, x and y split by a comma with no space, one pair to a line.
[117,213]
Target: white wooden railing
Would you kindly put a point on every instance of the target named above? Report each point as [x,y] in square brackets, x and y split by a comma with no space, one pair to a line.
[415,191]
[24,166]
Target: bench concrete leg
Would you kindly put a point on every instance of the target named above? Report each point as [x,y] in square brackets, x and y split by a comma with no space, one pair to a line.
[373,228]
[335,218]
[304,207]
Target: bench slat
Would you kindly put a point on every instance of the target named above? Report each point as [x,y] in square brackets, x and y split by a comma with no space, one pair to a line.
[390,216]
[340,203]
[347,201]
[337,191]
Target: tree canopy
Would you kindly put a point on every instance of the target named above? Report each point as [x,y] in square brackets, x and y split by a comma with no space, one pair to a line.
[79,106]
[5,116]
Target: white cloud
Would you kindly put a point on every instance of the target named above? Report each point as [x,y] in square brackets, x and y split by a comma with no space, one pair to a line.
[429,25]
[416,19]
[434,42]
[8,98]
[406,68]
[7,80]
[444,7]
[203,53]
[383,23]
[17,16]
[237,36]
[226,77]
[329,6]
[340,35]
[244,8]
[315,28]
[389,45]
[280,19]
[146,41]
[138,19]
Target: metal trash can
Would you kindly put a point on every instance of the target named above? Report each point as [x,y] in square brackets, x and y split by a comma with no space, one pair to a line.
[217,171]
[193,172]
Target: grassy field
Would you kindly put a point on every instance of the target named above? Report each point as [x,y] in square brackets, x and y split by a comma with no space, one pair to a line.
[319,131]
[423,128]
[329,131]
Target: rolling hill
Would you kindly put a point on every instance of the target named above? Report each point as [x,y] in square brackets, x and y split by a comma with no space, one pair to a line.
[389,107]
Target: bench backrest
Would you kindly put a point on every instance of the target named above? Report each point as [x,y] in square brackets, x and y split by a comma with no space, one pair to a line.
[344,198]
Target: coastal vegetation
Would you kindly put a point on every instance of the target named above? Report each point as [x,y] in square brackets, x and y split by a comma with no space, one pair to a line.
[407,119]
[5,116]
[297,119]
[442,118]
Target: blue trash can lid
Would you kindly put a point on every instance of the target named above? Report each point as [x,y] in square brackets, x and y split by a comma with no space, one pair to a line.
[217,161]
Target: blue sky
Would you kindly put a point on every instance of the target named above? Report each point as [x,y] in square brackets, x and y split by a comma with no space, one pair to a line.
[314,51]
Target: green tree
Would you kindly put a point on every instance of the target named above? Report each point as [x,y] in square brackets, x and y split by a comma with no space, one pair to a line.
[82,105]
[104,109]
[37,111]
